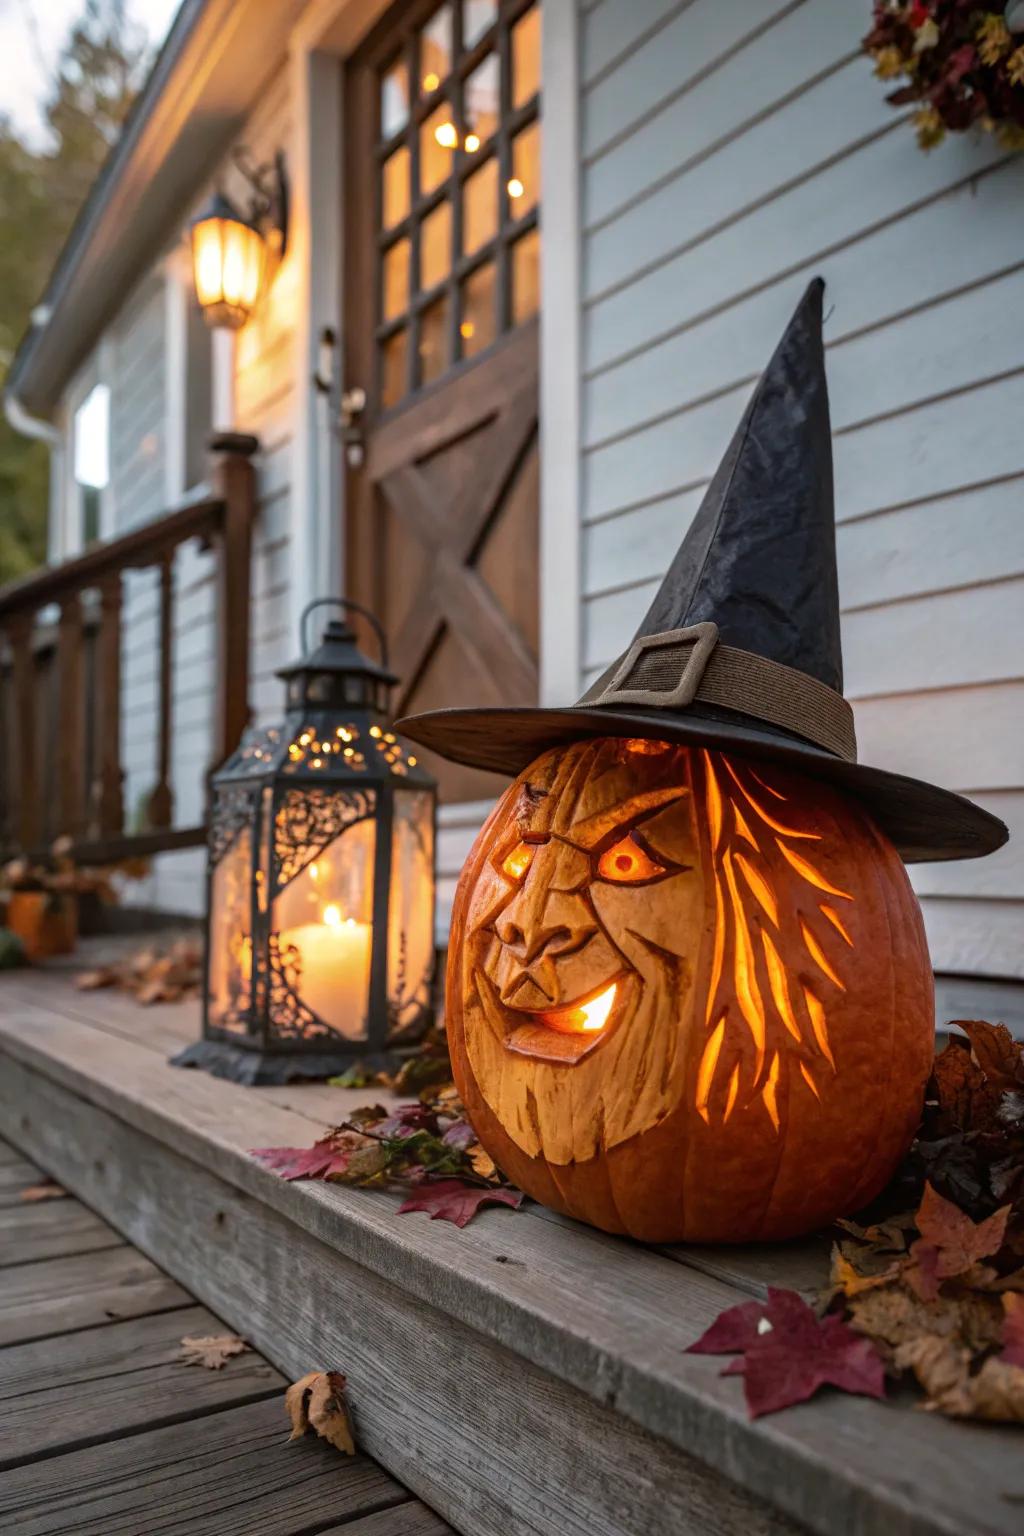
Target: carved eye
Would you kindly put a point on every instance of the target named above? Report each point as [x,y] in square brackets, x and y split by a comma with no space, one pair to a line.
[628,863]
[515,864]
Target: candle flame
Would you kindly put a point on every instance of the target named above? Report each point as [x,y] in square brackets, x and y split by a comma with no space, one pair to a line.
[332,915]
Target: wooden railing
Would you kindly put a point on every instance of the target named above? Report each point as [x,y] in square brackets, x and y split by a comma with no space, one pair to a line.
[61,644]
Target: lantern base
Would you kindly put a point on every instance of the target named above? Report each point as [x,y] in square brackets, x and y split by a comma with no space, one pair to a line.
[264,1068]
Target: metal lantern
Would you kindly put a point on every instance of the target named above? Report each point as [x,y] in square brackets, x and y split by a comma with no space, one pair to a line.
[320,926]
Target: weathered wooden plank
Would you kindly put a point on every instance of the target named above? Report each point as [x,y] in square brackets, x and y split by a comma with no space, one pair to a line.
[432,1397]
[51,1229]
[232,1472]
[16,1176]
[512,1310]
[57,1296]
[411,1519]
[58,1393]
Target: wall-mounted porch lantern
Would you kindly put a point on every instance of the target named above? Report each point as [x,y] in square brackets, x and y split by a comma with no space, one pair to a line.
[235,254]
[320,903]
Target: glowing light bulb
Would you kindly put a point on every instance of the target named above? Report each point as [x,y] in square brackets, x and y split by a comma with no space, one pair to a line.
[446,135]
[472,144]
[431,81]
[467,329]
[515,187]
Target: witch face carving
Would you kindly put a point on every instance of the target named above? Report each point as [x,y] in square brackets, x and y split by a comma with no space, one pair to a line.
[661,942]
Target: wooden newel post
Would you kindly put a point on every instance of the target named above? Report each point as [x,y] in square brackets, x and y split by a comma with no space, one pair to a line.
[235,483]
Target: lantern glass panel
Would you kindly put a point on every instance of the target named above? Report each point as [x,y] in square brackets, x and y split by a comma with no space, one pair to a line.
[411,912]
[230,943]
[322,928]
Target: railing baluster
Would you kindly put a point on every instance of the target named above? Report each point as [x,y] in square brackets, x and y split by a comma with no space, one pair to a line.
[160,805]
[235,483]
[108,806]
[71,716]
[23,700]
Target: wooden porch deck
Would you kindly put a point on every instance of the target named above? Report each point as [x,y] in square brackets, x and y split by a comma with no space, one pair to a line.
[525,1375]
[103,1432]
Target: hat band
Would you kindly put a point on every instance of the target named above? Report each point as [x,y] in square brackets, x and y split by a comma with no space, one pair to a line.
[673,669]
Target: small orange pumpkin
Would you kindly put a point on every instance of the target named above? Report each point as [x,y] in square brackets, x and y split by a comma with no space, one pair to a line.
[689,995]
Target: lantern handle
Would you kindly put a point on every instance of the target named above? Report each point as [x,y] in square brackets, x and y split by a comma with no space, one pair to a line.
[344,602]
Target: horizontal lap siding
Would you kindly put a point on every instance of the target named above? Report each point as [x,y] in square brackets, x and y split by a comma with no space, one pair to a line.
[729,153]
[264,385]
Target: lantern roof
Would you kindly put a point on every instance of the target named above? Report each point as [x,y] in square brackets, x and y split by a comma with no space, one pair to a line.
[338,653]
[219,206]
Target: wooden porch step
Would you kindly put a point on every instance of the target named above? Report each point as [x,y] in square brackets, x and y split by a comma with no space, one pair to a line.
[525,1375]
[104,1432]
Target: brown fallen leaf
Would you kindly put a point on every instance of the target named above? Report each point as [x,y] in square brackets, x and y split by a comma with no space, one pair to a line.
[852,1281]
[92,981]
[213,1353]
[317,1401]
[943,1369]
[46,1191]
[997,1053]
[951,1244]
[894,1316]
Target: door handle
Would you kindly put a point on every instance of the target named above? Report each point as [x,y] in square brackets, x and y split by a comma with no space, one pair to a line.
[353,405]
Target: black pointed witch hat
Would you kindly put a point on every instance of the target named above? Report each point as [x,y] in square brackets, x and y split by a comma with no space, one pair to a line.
[740,649]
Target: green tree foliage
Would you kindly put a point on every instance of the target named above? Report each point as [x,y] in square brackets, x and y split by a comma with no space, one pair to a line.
[41,191]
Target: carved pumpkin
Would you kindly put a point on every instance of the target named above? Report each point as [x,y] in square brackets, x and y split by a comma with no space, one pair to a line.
[689,995]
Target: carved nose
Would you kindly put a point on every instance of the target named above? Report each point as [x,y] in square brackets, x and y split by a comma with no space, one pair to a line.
[529,945]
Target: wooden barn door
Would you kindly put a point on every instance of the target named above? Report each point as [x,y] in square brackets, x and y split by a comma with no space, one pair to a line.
[442,286]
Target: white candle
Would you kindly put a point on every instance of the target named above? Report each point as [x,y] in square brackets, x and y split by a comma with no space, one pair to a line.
[334,976]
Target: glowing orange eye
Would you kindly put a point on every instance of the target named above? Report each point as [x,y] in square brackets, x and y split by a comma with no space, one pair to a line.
[628,863]
[518,861]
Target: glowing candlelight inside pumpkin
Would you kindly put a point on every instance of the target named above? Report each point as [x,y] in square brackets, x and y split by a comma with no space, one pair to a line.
[584,1018]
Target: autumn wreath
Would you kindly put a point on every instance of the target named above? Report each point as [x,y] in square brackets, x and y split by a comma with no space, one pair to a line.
[963,61]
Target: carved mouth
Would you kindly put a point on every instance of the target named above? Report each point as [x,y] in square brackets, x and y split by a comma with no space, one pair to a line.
[567,1034]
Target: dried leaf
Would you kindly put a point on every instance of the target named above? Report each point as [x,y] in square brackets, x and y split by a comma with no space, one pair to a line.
[317,1402]
[1013,1330]
[324,1159]
[455,1201]
[893,1316]
[93,981]
[884,1237]
[788,1352]
[998,1054]
[995,1392]
[45,1191]
[851,1281]
[950,1243]
[482,1162]
[214,1352]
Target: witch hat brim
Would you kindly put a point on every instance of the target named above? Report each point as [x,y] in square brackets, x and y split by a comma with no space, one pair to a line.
[740,649]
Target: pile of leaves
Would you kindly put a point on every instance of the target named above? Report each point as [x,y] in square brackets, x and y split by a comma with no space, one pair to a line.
[928,1287]
[426,1148]
[152,975]
[963,66]
[61,876]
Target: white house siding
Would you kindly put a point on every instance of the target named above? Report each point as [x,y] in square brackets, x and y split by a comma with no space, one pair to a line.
[263,402]
[729,152]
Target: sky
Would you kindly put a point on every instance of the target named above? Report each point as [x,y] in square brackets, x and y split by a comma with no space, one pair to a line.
[31,35]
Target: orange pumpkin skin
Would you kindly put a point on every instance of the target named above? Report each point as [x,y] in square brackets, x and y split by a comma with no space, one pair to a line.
[762,1065]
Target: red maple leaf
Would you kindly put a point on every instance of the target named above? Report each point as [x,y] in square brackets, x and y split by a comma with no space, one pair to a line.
[1013,1329]
[950,1243]
[788,1352]
[455,1201]
[316,1162]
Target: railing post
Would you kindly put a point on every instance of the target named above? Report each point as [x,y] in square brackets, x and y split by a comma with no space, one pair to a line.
[160,805]
[19,635]
[108,806]
[235,483]
[71,715]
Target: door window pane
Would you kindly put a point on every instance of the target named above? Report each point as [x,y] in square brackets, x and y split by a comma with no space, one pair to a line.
[438,137]
[477,16]
[478,326]
[394,99]
[526,57]
[394,192]
[525,277]
[392,369]
[482,97]
[524,184]
[435,245]
[480,206]
[436,50]
[434,341]
[396,280]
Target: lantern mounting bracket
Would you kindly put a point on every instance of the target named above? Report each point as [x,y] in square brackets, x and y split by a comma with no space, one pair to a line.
[268,208]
